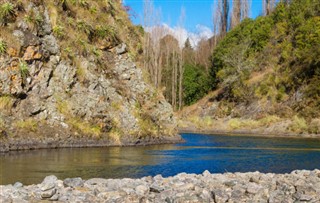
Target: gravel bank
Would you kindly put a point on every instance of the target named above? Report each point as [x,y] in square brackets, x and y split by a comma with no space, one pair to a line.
[298,186]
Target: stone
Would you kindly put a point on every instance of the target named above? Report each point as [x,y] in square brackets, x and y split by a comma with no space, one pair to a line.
[18,185]
[50,45]
[32,53]
[48,183]
[97,181]
[220,196]
[48,193]
[142,190]
[121,49]
[304,197]
[55,197]
[73,182]
[230,183]
[253,188]
[206,173]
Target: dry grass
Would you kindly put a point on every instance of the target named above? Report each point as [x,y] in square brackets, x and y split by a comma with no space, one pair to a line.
[256,77]
[85,127]
[63,107]
[314,126]
[194,109]
[6,102]
[28,124]
[205,122]
[298,125]
[237,123]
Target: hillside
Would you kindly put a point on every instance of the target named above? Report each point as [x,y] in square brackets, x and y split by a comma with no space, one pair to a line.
[266,75]
[67,78]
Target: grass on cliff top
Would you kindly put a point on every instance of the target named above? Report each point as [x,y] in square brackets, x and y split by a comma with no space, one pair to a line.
[83,27]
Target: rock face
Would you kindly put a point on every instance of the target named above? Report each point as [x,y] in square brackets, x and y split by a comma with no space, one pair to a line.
[47,100]
[298,186]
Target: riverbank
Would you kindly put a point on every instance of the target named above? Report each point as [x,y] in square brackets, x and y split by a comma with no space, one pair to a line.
[298,186]
[47,140]
[247,132]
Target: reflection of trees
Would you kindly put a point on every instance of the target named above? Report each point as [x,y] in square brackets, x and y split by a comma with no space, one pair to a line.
[31,167]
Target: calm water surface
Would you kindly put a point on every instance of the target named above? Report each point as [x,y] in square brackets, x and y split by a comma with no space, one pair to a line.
[215,153]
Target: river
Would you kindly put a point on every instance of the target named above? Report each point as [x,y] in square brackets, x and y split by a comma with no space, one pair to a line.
[216,153]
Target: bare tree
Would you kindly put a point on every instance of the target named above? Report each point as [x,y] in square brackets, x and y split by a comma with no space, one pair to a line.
[152,55]
[220,17]
[236,13]
[240,11]
[180,62]
[224,17]
[268,6]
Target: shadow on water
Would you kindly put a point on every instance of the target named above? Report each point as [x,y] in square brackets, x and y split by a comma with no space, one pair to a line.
[215,153]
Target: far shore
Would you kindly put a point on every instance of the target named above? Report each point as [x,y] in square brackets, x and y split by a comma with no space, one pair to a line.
[251,133]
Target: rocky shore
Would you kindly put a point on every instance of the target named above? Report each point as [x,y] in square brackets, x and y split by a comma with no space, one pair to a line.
[298,186]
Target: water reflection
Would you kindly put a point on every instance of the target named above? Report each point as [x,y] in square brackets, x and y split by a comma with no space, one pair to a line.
[199,153]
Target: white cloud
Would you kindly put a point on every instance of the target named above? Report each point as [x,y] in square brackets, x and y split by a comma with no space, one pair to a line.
[181,34]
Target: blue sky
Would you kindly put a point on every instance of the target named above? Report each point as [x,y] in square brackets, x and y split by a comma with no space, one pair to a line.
[198,12]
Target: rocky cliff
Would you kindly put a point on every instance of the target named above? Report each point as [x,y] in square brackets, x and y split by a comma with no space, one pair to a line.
[65,80]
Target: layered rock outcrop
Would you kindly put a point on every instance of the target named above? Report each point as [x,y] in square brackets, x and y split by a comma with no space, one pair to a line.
[48,100]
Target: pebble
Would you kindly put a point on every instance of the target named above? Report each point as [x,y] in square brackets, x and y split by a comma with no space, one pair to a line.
[298,186]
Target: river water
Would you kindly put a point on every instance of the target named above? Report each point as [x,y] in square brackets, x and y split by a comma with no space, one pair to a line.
[216,153]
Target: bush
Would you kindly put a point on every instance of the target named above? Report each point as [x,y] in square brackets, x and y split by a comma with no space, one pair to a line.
[298,125]
[195,83]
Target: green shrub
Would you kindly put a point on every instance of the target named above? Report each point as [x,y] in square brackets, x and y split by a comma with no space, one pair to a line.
[3,46]
[195,82]
[6,12]
[24,69]
[58,31]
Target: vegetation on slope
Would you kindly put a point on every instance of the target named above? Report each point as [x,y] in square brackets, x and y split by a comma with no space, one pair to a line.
[271,66]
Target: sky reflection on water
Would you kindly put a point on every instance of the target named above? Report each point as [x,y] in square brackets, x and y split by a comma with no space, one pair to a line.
[215,153]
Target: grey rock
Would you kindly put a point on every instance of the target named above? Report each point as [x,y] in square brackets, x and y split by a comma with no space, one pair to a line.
[55,197]
[230,183]
[253,188]
[121,49]
[220,196]
[96,181]
[18,185]
[45,26]
[48,193]
[142,190]
[48,183]
[304,197]
[73,182]
[5,199]
[50,45]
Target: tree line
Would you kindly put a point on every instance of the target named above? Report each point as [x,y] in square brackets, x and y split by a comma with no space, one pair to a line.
[180,71]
